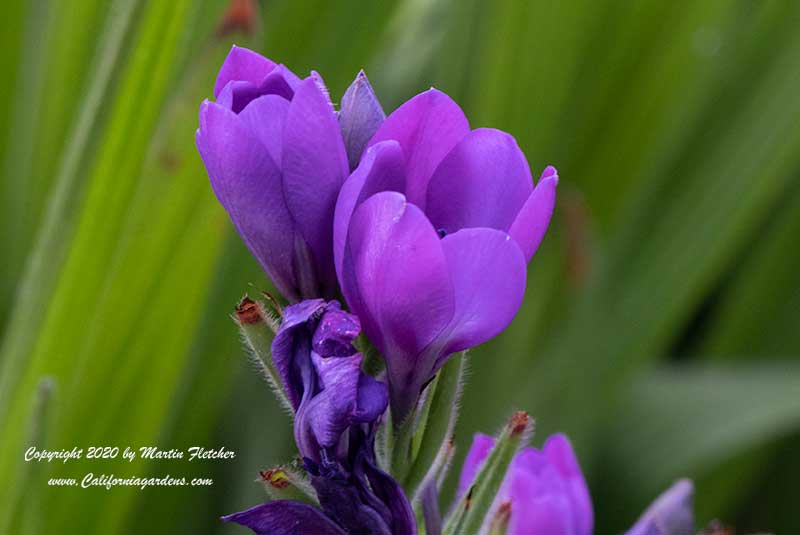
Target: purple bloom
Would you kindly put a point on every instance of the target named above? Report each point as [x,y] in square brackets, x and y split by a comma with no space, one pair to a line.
[672,513]
[545,488]
[432,234]
[337,411]
[274,152]
[320,371]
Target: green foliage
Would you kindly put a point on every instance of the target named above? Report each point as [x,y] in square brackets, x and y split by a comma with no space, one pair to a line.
[660,324]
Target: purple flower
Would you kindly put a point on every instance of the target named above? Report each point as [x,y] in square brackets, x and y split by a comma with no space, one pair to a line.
[432,234]
[545,488]
[337,411]
[320,370]
[274,151]
[672,513]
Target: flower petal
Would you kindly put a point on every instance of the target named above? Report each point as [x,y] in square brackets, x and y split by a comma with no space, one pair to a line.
[391,493]
[482,182]
[539,503]
[280,81]
[266,117]
[671,513]
[314,167]
[531,223]
[335,332]
[360,116]
[242,64]
[382,169]
[488,273]
[427,127]
[478,451]
[341,500]
[292,343]
[373,397]
[247,183]
[558,451]
[284,517]
[237,94]
[405,289]
[328,413]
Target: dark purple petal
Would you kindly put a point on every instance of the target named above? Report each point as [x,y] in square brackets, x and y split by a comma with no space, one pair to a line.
[266,117]
[478,451]
[340,500]
[488,273]
[360,116]
[381,169]
[391,494]
[293,343]
[247,182]
[242,64]
[314,167]
[283,517]
[373,397]
[427,127]
[482,182]
[328,412]
[404,285]
[335,333]
[671,514]
[531,223]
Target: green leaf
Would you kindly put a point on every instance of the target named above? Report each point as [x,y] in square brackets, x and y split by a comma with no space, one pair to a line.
[687,420]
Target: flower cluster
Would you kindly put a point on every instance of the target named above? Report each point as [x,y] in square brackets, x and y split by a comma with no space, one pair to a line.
[424,227]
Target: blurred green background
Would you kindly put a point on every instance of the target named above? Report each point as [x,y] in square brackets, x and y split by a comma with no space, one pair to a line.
[661,326]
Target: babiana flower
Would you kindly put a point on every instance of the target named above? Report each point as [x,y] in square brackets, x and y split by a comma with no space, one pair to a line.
[544,490]
[337,412]
[432,235]
[274,150]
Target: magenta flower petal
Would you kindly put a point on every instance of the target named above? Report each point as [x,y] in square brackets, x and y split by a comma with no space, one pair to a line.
[427,127]
[360,116]
[559,453]
[531,223]
[546,488]
[382,169]
[478,451]
[283,517]
[482,182]
[539,500]
[248,184]
[266,117]
[404,285]
[488,273]
[314,167]
[244,65]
